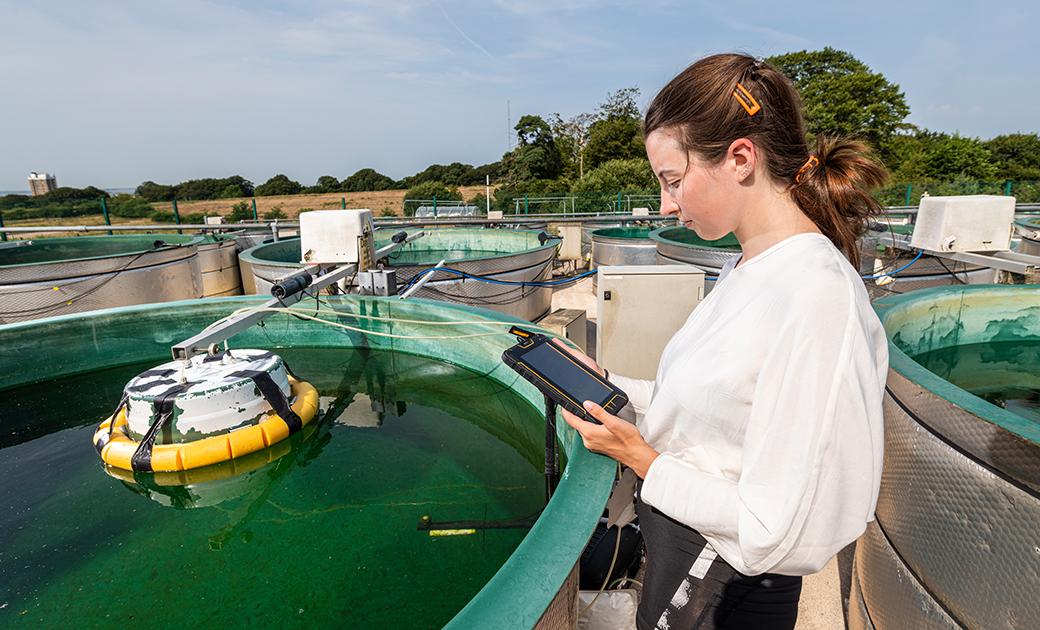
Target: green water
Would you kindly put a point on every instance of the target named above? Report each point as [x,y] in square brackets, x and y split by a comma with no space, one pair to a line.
[323,536]
[406,256]
[1004,373]
[57,249]
[689,237]
[624,232]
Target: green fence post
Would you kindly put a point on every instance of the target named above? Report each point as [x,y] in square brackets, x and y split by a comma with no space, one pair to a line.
[343,203]
[104,213]
[3,235]
[435,206]
[526,207]
[618,207]
[1007,188]
[909,189]
[176,216]
[256,217]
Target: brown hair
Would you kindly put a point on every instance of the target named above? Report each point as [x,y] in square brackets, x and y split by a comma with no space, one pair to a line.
[701,105]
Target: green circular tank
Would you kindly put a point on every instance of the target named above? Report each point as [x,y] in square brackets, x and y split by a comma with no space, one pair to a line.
[629,245]
[682,245]
[508,255]
[1030,231]
[416,500]
[960,486]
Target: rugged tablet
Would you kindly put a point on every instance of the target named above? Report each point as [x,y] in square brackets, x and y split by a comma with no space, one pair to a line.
[561,377]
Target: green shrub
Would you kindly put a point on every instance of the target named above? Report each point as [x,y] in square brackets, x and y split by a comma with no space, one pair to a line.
[275,213]
[241,211]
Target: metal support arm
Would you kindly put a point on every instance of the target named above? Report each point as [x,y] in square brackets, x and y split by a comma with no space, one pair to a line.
[234,325]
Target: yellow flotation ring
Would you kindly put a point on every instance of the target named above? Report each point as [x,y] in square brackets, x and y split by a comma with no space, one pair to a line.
[117,448]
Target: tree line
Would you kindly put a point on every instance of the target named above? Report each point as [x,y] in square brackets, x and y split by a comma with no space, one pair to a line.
[601,151]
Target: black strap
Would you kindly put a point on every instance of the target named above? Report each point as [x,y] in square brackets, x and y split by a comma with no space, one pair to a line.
[107,437]
[157,372]
[162,378]
[162,408]
[288,370]
[143,387]
[274,397]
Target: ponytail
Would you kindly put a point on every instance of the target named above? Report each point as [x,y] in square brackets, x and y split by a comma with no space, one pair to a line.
[833,190]
[724,97]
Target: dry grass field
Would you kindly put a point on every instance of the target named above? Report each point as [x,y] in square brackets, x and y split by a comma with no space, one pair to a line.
[381,203]
[69,221]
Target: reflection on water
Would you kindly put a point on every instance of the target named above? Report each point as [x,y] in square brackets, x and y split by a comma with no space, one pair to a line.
[1005,373]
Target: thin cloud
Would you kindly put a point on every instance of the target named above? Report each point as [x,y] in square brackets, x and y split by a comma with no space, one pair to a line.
[462,32]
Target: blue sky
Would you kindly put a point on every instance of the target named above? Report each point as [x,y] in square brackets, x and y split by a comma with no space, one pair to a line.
[113,93]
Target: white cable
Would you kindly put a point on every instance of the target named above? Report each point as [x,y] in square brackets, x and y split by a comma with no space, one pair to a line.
[624,579]
[303,315]
[617,547]
[395,320]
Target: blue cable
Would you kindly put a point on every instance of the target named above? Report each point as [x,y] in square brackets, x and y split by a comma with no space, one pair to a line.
[552,283]
[920,253]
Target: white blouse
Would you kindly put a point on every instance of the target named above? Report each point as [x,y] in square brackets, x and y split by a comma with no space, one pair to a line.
[766,411]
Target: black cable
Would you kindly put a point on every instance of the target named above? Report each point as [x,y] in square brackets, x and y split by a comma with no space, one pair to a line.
[964,280]
[518,293]
[41,310]
[552,466]
[487,300]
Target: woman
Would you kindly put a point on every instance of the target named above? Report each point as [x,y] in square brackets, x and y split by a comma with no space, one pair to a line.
[759,444]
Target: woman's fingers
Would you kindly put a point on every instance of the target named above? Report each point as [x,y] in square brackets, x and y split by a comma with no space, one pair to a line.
[614,438]
[603,438]
[579,425]
[609,420]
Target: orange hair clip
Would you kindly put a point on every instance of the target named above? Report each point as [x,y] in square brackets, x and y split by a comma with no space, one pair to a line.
[811,163]
[747,101]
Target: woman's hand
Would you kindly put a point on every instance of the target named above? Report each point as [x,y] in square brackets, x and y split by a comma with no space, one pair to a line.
[614,438]
[580,356]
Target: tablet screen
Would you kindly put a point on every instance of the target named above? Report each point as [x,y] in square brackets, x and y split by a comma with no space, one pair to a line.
[558,368]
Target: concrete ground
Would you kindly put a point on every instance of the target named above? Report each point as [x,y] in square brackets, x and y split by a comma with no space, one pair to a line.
[820,607]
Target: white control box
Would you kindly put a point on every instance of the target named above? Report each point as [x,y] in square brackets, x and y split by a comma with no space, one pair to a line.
[640,308]
[968,223]
[335,236]
[570,246]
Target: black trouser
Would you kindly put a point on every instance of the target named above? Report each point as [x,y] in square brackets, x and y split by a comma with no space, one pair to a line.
[687,586]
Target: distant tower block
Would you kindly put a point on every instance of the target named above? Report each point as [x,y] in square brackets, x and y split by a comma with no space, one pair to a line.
[41,183]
